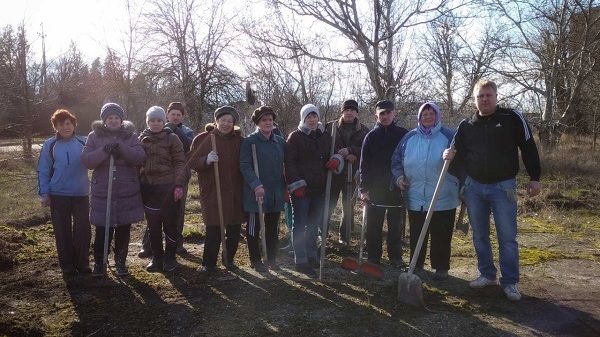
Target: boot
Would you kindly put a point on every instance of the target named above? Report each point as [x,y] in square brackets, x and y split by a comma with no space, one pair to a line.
[99,270]
[146,250]
[155,265]
[120,263]
[170,263]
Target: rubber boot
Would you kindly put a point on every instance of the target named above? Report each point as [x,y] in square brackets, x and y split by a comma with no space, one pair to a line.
[146,250]
[121,263]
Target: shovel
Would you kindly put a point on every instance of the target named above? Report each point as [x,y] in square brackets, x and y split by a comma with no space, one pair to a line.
[224,259]
[348,205]
[324,229]
[367,268]
[111,169]
[410,288]
[261,214]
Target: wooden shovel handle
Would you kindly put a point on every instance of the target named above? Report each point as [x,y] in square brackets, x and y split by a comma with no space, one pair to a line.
[219,203]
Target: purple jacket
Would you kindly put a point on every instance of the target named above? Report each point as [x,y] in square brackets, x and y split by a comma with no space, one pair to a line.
[126,200]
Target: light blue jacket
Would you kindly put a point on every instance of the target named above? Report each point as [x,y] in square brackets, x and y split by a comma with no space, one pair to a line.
[61,172]
[418,157]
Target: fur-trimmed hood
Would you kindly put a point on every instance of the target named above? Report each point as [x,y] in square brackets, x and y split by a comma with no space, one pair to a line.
[127,129]
[212,126]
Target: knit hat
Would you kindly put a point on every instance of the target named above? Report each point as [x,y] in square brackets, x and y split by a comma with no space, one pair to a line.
[156,112]
[227,110]
[111,109]
[383,106]
[350,104]
[307,109]
[261,111]
[176,106]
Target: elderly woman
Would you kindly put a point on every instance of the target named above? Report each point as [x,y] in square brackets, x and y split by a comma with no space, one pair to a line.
[114,136]
[228,140]
[266,188]
[416,166]
[306,165]
[63,185]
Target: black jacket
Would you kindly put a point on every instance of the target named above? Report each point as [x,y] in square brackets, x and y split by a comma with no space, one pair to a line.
[487,146]
[376,164]
[348,137]
[305,159]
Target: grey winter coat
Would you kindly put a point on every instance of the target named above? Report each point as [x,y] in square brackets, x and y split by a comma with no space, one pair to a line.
[126,200]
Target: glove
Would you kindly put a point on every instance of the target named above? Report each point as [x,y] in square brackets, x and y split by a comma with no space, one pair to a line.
[171,126]
[286,196]
[351,158]
[332,164]
[299,193]
[212,157]
[177,193]
[111,148]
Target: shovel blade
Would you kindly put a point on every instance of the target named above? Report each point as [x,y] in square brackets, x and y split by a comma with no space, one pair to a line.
[410,289]
[372,270]
[350,263]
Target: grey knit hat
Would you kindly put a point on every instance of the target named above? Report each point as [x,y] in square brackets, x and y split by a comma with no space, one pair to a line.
[111,109]
[156,112]
[227,110]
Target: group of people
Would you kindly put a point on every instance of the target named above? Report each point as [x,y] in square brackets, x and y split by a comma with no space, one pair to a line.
[252,179]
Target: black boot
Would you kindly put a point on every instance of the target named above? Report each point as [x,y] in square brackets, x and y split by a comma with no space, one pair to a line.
[99,270]
[146,250]
[170,263]
[155,265]
[120,263]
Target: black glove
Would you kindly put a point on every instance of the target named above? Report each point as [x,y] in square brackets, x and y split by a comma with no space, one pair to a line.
[171,126]
[111,148]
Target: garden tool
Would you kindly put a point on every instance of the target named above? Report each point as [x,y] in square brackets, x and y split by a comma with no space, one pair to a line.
[410,288]
[111,169]
[224,259]
[348,205]
[370,269]
[261,214]
[324,229]
[460,224]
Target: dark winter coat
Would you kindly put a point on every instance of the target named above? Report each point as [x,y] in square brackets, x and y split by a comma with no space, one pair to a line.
[348,137]
[165,160]
[126,199]
[375,164]
[270,155]
[230,177]
[305,160]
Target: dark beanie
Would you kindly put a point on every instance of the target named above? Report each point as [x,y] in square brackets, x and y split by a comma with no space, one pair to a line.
[383,106]
[111,109]
[176,106]
[261,111]
[227,110]
[350,104]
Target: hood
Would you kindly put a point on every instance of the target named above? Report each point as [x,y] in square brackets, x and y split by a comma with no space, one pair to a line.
[438,120]
[127,129]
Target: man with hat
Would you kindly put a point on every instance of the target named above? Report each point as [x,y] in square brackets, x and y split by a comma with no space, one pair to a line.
[350,134]
[377,194]
[266,188]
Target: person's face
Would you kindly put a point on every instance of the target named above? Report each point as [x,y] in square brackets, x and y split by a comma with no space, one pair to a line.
[485,100]
[265,123]
[156,124]
[113,122]
[225,123]
[175,116]
[386,117]
[65,128]
[348,115]
[311,120]
[428,117]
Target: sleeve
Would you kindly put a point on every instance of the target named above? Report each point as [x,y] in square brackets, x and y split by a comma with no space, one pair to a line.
[184,138]
[460,159]
[356,147]
[93,155]
[44,169]
[247,164]
[529,151]
[398,160]
[365,166]
[292,172]
[178,160]
[198,153]
[132,150]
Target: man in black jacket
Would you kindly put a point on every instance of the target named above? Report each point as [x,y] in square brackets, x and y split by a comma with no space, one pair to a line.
[350,133]
[377,194]
[487,145]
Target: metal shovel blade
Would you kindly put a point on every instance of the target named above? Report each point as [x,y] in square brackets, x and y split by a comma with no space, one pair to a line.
[410,289]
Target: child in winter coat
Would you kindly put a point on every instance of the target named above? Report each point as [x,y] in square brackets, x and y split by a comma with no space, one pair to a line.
[64,186]
[162,179]
[113,136]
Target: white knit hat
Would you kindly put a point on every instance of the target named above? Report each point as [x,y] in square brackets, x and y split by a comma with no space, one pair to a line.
[156,112]
[308,108]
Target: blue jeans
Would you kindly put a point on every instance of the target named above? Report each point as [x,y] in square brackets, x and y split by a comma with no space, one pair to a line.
[308,215]
[501,200]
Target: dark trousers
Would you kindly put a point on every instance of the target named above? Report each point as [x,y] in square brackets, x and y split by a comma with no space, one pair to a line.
[161,215]
[440,228]
[213,241]
[181,212]
[339,184]
[121,234]
[71,224]
[271,236]
[375,217]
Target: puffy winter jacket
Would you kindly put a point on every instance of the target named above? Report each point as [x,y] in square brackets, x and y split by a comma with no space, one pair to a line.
[165,160]
[60,171]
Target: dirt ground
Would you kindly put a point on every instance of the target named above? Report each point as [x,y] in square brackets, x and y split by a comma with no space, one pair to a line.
[559,236]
